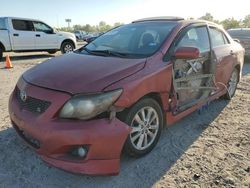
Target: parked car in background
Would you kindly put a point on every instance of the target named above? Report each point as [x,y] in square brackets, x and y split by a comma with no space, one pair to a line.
[80,34]
[89,35]
[93,37]
[243,35]
[24,35]
[79,111]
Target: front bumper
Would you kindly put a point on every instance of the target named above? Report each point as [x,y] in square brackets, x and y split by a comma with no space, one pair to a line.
[54,138]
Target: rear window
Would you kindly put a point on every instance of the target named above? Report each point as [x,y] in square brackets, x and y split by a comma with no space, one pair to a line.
[2,23]
[246,33]
[239,33]
[22,25]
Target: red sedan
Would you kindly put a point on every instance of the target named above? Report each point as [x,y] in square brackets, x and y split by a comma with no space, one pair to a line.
[79,111]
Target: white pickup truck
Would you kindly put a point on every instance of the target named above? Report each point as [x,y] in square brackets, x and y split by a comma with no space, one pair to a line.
[26,35]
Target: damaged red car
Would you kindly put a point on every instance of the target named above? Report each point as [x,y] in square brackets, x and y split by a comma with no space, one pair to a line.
[79,111]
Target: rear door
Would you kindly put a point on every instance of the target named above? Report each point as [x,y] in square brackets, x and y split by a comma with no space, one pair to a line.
[4,34]
[222,55]
[23,35]
[45,37]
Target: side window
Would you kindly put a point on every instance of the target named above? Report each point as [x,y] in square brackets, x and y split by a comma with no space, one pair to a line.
[2,23]
[39,26]
[196,37]
[246,33]
[22,25]
[217,37]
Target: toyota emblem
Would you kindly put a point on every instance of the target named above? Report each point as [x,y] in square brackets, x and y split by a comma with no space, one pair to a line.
[23,96]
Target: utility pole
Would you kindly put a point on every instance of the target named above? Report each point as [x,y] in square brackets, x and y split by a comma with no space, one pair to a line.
[68,21]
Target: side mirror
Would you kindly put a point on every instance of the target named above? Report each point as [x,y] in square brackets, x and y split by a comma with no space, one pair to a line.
[237,40]
[187,53]
[48,31]
[53,31]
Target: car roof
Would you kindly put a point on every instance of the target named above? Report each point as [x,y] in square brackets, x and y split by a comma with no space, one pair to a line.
[177,19]
[19,18]
[160,18]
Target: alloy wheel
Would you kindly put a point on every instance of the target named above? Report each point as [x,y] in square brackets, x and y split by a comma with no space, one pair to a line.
[68,48]
[145,126]
[232,84]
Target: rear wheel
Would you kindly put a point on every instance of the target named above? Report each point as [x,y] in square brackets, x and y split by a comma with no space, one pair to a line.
[52,51]
[67,47]
[146,120]
[232,84]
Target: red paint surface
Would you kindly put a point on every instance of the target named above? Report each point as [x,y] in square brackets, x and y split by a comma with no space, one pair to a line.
[104,138]
[59,78]
[187,53]
[77,73]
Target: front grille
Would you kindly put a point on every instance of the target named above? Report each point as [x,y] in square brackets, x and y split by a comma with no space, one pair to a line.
[32,104]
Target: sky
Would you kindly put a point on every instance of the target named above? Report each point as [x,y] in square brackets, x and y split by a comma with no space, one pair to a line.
[54,12]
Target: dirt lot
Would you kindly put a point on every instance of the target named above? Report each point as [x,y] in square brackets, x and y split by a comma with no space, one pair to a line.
[210,149]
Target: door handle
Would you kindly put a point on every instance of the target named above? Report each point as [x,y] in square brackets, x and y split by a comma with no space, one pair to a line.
[15,34]
[37,35]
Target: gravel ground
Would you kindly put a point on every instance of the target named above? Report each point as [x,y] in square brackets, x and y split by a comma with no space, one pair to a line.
[210,149]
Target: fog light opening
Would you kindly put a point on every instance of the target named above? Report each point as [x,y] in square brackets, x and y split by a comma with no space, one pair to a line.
[79,151]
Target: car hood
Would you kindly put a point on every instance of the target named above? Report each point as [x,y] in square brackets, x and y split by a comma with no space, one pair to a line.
[78,73]
[66,34]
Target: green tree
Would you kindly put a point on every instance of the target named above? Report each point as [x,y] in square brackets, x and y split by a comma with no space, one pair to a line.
[116,24]
[103,27]
[207,17]
[77,27]
[246,21]
[65,29]
[230,23]
[88,28]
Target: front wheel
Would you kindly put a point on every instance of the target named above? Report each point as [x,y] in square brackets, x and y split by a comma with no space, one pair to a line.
[67,47]
[146,120]
[232,84]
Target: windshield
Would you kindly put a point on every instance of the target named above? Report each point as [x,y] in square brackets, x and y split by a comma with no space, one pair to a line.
[136,40]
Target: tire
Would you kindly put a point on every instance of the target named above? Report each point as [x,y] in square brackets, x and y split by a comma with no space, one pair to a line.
[67,47]
[52,51]
[144,135]
[1,54]
[232,84]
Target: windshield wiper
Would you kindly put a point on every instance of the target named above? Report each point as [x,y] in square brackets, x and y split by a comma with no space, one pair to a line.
[110,53]
[104,52]
[85,49]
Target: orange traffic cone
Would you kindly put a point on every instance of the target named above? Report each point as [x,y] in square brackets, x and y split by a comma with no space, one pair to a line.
[8,64]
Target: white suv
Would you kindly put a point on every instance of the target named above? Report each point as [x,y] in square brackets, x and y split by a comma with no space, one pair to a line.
[25,35]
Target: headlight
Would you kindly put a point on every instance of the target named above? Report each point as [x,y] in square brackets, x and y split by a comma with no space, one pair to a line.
[88,106]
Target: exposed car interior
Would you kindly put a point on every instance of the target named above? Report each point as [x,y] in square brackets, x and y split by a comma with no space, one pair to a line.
[193,78]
